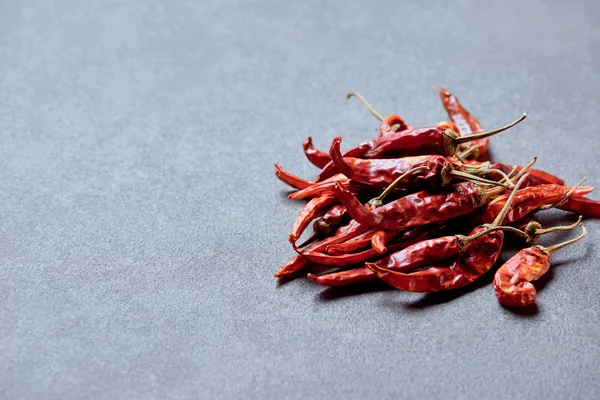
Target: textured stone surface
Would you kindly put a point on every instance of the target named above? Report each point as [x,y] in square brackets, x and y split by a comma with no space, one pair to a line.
[141,221]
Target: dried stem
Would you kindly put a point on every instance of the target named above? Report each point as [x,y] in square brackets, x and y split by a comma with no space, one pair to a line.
[470,138]
[366,104]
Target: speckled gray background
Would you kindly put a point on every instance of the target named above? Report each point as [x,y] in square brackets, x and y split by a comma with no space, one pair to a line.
[141,222]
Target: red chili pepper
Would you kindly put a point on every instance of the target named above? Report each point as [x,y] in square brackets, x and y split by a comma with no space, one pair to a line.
[297,262]
[467,124]
[475,259]
[430,171]
[435,140]
[311,210]
[512,282]
[582,205]
[320,188]
[363,274]
[417,209]
[316,157]
[528,200]
[291,180]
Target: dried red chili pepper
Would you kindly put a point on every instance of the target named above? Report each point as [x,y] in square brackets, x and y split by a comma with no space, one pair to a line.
[318,189]
[421,208]
[298,262]
[316,157]
[581,205]
[313,209]
[291,180]
[435,170]
[529,200]
[325,225]
[436,140]
[467,124]
[512,282]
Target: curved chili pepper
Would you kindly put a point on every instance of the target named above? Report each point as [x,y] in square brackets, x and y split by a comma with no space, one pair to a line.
[298,262]
[436,140]
[467,124]
[528,200]
[363,274]
[477,258]
[291,180]
[331,219]
[382,172]
[316,157]
[310,211]
[319,188]
[512,281]
[417,209]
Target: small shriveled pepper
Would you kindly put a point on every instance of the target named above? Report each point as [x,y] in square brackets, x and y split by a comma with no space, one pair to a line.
[512,282]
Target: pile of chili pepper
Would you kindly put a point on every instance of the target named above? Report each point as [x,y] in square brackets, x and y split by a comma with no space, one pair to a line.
[424,210]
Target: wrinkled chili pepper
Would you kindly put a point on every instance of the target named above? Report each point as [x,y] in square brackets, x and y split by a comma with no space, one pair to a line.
[405,239]
[325,225]
[436,171]
[421,208]
[582,205]
[467,124]
[328,187]
[316,157]
[313,209]
[512,281]
[529,200]
[437,140]
[297,262]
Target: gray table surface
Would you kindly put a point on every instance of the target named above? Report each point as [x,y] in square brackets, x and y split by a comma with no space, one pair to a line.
[141,221]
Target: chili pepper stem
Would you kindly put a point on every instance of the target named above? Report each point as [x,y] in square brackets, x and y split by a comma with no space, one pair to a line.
[378,201]
[366,104]
[483,135]
[479,179]
[502,214]
[560,227]
[467,152]
[553,249]
[465,240]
